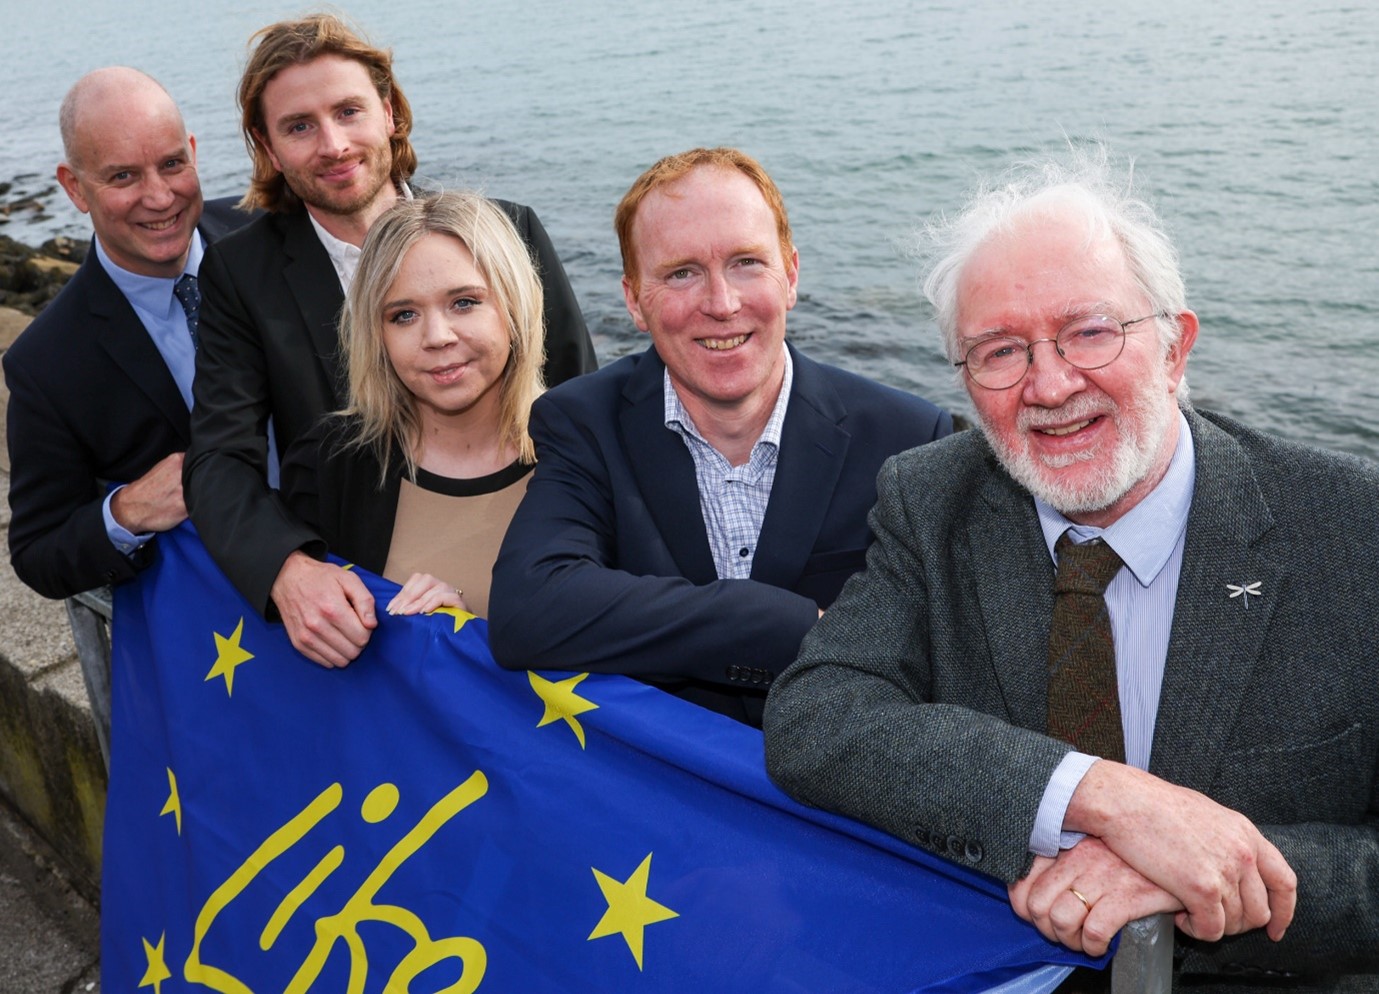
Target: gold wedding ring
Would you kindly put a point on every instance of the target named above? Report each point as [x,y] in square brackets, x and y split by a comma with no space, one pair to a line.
[1078,894]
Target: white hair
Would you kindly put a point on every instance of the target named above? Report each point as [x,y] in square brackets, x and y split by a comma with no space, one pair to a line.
[1086,185]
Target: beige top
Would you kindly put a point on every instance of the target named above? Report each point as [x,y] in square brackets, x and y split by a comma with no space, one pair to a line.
[452,529]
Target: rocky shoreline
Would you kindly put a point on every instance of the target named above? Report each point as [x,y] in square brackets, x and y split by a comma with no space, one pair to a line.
[31,276]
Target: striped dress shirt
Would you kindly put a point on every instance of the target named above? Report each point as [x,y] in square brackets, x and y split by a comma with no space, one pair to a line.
[732,498]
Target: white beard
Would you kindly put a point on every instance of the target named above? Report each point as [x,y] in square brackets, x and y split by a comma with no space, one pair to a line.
[1141,427]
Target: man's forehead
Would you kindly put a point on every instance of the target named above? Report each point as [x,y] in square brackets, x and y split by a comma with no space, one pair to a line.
[712,194]
[1058,262]
[127,135]
[328,65]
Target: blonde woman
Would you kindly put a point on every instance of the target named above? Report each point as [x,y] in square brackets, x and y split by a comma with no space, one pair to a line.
[419,476]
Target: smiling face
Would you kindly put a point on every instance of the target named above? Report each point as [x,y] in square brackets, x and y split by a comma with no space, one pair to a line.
[133,169]
[327,132]
[1091,443]
[713,292]
[444,332]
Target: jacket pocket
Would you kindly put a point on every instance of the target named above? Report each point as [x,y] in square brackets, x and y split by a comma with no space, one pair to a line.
[1329,778]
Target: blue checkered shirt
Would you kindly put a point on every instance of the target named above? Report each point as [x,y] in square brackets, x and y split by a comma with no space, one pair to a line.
[732,499]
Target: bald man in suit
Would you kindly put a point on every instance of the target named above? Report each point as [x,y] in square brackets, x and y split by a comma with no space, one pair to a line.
[100,381]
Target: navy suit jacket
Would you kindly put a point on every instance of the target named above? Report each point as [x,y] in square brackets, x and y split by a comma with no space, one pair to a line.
[606,566]
[91,403]
[270,347]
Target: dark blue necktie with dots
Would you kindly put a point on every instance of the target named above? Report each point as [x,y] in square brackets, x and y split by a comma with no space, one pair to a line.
[188,294]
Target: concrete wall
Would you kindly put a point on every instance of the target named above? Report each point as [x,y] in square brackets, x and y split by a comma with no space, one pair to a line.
[51,769]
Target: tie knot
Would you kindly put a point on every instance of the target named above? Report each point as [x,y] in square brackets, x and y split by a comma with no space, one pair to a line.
[187,292]
[1085,568]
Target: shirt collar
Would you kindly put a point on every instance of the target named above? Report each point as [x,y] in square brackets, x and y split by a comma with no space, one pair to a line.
[151,294]
[344,256]
[677,417]
[1147,534]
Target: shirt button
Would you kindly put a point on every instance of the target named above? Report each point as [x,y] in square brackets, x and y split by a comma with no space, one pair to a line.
[744,552]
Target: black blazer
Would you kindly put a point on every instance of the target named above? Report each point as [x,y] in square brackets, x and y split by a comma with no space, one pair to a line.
[269,347]
[340,494]
[606,566]
[91,403]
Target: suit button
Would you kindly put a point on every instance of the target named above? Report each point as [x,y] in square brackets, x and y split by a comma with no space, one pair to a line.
[954,845]
[973,852]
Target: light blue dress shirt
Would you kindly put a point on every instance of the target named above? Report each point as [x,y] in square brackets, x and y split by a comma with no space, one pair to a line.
[166,322]
[1140,598]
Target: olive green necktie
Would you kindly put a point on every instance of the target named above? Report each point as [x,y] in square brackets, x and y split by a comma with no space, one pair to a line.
[1084,703]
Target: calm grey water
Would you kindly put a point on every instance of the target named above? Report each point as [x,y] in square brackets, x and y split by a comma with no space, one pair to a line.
[1252,122]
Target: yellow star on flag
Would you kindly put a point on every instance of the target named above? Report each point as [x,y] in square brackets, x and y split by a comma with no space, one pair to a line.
[459,614]
[174,803]
[229,654]
[562,703]
[630,911]
[157,970]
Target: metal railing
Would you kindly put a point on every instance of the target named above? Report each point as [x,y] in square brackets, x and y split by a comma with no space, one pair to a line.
[1143,963]
[89,614]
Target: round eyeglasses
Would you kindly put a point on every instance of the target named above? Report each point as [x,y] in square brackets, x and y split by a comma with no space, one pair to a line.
[1088,342]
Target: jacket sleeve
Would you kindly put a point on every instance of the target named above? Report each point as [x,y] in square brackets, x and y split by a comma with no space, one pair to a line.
[569,351]
[560,600]
[57,537]
[244,523]
[301,478]
[853,725]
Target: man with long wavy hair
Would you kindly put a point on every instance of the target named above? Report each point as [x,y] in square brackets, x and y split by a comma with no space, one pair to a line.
[328,128]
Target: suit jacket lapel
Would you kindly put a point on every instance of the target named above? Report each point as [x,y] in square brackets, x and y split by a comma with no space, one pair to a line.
[125,339]
[1003,540]
[664,471]
[813,448]
[316,287]
[1216,638]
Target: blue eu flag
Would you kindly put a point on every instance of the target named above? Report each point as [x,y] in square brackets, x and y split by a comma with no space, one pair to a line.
[425,821]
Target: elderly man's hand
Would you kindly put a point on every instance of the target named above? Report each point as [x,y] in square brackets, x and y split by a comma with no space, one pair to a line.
[1114,893]
[328,611]
[1213,860]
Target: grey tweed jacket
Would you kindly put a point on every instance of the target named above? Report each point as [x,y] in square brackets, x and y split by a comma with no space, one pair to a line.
[918,701]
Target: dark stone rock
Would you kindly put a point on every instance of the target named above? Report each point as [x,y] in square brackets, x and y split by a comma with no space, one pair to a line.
[62,247]
[27,282]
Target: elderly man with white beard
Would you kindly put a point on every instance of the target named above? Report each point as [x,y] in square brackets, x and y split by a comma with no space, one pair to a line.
[1112,650]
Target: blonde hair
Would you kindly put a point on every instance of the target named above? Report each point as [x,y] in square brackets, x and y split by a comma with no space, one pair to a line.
[389,424]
